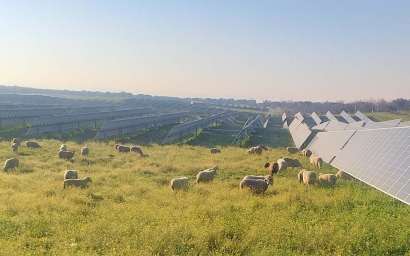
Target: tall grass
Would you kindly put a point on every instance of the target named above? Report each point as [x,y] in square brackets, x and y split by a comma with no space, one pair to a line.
[129,208]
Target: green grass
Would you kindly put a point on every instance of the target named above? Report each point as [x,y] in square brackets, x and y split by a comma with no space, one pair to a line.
[130,209]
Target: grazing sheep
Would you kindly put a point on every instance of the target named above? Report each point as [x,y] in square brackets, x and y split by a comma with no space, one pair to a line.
[257,186]
[11,164]
[214,150]
[15,147]
[255,150]
[272,167]
[116,146]
[206,175]
[63,147]
[66,154]
[70,174]
[32,144]
[282,164]
[292,162]
[316,161]
[306,152]
[307,177]
[291,150]
[253,177]
[327,179]
[123,149]
[179,183]
[84,151]
[16,140]
[77,182]
[343,175]
[262,146]
[136,149]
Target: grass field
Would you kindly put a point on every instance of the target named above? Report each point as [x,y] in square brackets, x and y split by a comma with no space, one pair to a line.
[130,209]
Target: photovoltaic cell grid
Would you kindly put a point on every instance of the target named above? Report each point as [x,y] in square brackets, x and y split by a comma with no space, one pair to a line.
[327,144]
[316,118]
[380,158]
[347,117]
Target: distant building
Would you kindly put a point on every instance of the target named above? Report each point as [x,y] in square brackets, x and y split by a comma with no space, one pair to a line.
[196,102]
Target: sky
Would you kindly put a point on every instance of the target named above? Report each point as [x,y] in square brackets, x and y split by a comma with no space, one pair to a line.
[263,50]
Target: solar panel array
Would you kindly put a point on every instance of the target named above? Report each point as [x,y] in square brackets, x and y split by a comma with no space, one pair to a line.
[379,157]
[300,132]
[179,131]
[248,128]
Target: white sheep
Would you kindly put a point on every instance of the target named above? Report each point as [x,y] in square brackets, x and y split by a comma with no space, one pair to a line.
[77,182]
[316,161]
[85,151]
[15,147]
[292,162]
[136,149]
[282,165]
[327,179]
[206,175]
[255,150]
[122,148]
[214,150]
[32,144]
[343,175]
[305,152]
[11,164]
[257,186]
[70,174]
[179,183]
[16,140]
[307,177]
[254,177]
[291,150]
[66,154]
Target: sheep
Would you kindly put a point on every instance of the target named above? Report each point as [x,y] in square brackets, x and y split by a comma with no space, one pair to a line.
[282,164]
[327,179]
[179,183]
[66,154]
[255,150]
[316,161]
[292,162]
[343,175]
[11,164]
[307,177]
[63,147]
[262,146]
[253,177]
[257,186]
[206,175]
[70,174]
[15,147]
[32,144]
[16,140]
[291,150]
[214,150]
[136,149]
[272,167]
[306,152]
[77,182]
[84,151]
[122,149]
[116,146]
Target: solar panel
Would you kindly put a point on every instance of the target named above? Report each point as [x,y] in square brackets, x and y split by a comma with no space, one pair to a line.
[335,125]
[299,116]
[247,129]
[316,118]
[363,117]
[404,123]
[355,126]
[283,117]
[321,126]
[394,122]
[377,125]
[380,158]
[299,132]
[327,144]
[329,115]
[347,117]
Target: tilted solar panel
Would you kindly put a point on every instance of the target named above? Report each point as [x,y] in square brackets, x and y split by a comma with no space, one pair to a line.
[335,125]
[347,117]
[404,123]
[329,115]
[321,126]
[395,122]
[299,132]
[362,116]
[299,116]
[377,125]
[355,126]
[327,144]
[380,158]
[283,117]
[316,118]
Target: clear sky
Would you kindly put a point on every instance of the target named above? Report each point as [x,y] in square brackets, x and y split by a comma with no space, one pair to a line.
[264,50]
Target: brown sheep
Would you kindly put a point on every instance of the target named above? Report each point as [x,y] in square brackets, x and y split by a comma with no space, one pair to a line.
[272,167]
[136,149]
